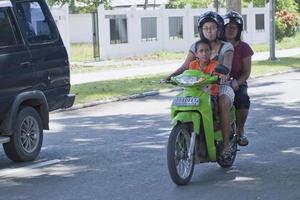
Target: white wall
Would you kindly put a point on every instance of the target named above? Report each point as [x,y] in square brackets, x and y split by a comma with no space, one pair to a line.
[136,46]
[61,18]
[81,28]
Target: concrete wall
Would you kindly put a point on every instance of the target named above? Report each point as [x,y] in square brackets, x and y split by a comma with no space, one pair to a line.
[136,46]
[77,28]
[81,28]
[61,18]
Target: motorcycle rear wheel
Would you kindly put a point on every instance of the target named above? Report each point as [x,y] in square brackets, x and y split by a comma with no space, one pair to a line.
[180,166]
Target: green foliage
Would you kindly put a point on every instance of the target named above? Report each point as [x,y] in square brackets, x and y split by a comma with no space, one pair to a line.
[289,5]
[199,3]
[82,6]
[286,24]
[176,4]
[256,3]
[192,3]
[279,29]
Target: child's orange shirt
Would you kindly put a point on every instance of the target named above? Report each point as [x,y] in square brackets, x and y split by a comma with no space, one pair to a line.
[195,65]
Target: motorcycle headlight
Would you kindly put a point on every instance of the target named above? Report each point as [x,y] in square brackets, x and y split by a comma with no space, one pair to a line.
[187,80]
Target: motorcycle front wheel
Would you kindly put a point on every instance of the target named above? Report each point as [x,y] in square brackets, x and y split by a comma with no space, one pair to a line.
[180,166]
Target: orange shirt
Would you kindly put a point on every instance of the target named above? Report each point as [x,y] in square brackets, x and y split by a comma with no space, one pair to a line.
[195,65]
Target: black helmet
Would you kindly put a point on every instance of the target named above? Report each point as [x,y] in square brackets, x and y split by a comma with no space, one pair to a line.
[211,16]
[234,16]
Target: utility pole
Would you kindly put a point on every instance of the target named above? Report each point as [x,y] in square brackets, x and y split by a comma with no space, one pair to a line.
[235,5]
[272,30]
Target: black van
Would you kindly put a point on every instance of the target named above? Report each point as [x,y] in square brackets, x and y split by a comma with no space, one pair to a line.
[34,76]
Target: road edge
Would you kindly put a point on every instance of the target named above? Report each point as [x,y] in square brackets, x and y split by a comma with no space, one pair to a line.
[150,93]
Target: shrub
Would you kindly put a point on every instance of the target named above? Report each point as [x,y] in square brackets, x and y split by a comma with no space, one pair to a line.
[286,24]
[279,29]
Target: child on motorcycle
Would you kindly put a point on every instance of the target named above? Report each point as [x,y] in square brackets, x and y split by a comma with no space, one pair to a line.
[204,63]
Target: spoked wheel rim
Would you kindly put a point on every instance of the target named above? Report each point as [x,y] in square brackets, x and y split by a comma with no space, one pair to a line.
[30,134]
[183,162]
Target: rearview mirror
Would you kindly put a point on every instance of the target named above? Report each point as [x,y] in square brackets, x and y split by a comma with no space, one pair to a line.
[222,69]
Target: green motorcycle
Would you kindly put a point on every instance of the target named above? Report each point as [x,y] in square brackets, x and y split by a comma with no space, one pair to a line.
[193,139]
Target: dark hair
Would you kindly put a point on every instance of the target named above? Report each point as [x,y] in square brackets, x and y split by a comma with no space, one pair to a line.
[211,16]
[203,41]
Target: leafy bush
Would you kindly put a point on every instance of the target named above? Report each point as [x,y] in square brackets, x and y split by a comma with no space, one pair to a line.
[286,24]
[280,29]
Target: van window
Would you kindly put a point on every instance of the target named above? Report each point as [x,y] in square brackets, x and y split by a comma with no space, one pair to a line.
[38,28]
[8,34]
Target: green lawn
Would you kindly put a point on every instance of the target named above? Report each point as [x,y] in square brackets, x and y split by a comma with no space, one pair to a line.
[267,66]
[101,90]
[81,52]
[286,43]
[84,51]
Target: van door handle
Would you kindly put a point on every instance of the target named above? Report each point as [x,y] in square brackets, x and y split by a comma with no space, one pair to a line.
[25,64]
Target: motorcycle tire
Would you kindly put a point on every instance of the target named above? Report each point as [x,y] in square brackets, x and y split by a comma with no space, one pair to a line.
[181,168]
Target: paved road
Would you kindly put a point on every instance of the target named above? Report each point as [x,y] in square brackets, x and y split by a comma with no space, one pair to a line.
[154,67]
[118,151]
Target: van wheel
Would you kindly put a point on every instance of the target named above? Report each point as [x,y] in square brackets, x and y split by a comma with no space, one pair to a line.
[26,141]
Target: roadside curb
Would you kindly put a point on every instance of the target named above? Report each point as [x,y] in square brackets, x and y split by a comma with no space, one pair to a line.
[151,93]
[116,99]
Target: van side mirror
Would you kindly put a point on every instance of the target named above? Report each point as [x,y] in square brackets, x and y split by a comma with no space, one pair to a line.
[222,69]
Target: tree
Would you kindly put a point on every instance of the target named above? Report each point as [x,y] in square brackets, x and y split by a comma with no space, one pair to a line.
[192,3]
[81,6]
[234,5]
[176,4]
[199,3]
[289,5]
[298,4]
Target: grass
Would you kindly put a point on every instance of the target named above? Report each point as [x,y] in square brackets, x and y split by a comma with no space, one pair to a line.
[270,67]
[84,51]
[81,52]
[286,43]
[102,90]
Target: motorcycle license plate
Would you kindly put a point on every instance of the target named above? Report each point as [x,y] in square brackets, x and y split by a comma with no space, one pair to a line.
[186,101]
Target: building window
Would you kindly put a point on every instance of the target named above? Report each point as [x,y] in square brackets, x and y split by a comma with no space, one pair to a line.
[196,32]
[245,22]
[149,28]
[118,29]
[175,27]
[260,22]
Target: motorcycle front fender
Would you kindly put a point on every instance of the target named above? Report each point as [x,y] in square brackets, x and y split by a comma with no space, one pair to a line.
[185,117]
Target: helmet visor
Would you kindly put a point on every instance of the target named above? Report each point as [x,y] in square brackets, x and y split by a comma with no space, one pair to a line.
[236,20]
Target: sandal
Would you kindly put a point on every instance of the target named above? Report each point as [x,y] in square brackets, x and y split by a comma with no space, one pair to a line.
[226,154]
[243,140]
